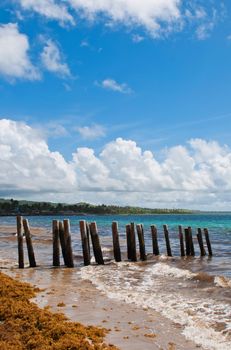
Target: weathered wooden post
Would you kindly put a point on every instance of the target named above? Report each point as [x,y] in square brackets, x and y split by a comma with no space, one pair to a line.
[62,242]
[140,233]
[187,242]
[200,242]
[55,236]
[96,244]
[67,235]
[181,237]
[206,233]
[155,240]
[116,243]
[168,246]
[29,244]
[88,237]
[133,242]
[192,251]
[128,236]
[20,243]
[85,245]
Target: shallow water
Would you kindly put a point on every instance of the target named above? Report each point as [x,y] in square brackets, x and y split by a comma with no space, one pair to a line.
[192,292]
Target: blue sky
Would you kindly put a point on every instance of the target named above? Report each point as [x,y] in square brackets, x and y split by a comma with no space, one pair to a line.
[157,73]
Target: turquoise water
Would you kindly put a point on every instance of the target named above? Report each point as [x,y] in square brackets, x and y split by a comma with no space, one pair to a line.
[219,225]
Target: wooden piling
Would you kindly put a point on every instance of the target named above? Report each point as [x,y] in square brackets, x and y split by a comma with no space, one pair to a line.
[181,238]
[187,242]
[133,242]
[191,244]
[96,244]
[140,233]
[85,244]
[63,242]
[116,243]
[56,250]
[155,245]
[29,244]
[128,237]
[168,246]
[20,242]
[67,235]
[206,233]
[200,241]
[88,237]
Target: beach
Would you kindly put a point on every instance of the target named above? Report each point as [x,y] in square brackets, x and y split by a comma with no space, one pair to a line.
[164,303]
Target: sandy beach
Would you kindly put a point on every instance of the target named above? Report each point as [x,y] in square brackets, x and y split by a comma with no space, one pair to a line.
[63,290]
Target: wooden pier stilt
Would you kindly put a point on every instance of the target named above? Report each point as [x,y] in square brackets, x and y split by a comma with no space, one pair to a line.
[128,237]
[155,245]
[133,243]
[20,242]
[88,238]
[63,242]
[140,233]
[200,242]
[116,243]
[96,244]
[168,246]
[191,244]
[85,243]
[206,233]
[187,242]
[67,235]
[181,238]
[56,249]
[29,244]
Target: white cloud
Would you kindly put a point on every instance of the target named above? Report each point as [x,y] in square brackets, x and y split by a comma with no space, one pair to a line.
[27,164]
[51,9]
[52,60]
[136,38]
[15,62]
[194,176]
[111,84]
[92,132]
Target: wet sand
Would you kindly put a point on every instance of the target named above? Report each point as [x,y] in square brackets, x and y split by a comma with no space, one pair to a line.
[131,328]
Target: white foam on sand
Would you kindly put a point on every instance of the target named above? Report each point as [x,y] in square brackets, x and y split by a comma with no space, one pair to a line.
[146,288]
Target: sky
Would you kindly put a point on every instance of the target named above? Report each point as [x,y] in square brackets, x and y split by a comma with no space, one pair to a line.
[121,102]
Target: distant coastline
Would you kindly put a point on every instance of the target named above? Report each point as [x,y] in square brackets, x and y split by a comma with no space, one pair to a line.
[11,207]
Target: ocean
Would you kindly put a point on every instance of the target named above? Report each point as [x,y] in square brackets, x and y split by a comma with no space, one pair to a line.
[192,292]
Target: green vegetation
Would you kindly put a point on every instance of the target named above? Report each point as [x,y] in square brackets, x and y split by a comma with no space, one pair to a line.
[14,207]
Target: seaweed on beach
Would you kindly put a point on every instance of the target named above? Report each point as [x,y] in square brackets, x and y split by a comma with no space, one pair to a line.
[24,326]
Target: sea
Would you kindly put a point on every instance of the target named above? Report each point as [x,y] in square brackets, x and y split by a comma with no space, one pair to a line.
[194,292]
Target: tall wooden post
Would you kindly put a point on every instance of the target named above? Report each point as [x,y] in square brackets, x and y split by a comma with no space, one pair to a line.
[128,236]
[20,243]
[85,246]
[155,240]
[63,242]
[133,242]
[181,238]
[200,241]
[140,233]
[96,244]
[56,250]
[192,251]
[187,242]
[116,243]
[29,244]
[88,237]
[168,246]
[67,235]
[206,233]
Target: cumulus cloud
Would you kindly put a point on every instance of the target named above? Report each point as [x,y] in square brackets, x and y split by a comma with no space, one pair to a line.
[197,175]
[15,62]
[50,9]
[27,164]
[92,132]
[111,84]
[52,60]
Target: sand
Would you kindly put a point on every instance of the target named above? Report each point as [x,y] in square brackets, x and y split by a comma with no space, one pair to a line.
[63,290]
